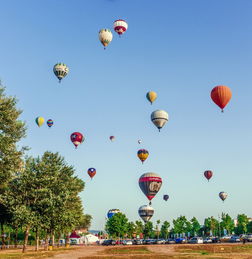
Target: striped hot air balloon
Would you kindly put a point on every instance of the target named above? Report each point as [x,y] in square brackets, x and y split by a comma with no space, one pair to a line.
[150,184]
[49,123]
[40,121]
[221,95]
[120,26]
[145,212]
[105,37]
[60,70]
[142,154]
[159,118]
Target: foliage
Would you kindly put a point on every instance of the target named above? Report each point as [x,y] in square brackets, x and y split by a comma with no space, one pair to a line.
[181,225]
[117,225]
[211,225]
[148,230]
[195,227]
[227,223]
[165,229]
[242,222]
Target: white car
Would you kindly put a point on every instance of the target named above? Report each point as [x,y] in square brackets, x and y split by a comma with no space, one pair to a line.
[196,240]
[127,242]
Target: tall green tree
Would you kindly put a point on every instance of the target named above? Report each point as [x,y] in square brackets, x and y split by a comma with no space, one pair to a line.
[181,225]
[227,223]
[157,228]
[242,222]
[165,229]
[12,130]
[131,229]
[148,230]
[195,226]
[117,226]
[212,225]
[139,227]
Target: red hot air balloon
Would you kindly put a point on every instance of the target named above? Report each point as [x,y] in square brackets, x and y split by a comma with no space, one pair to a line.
[112,138]
[91,172]
[77,138]
[150,184]
[221,95]
[208,174]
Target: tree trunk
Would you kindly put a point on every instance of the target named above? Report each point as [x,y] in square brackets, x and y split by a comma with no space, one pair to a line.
[3,236]
[37,240]
[16,238]
[46,242]
[53,239]
[26,235]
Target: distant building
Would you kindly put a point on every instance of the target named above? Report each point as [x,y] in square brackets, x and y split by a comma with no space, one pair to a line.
[236,221]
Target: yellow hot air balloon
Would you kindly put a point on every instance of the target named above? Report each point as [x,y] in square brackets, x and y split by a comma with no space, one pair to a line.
[40,121]
[142,154]
[151,96]
[105,37]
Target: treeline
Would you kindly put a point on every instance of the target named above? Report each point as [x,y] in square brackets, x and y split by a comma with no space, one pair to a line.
[119,226]
[38,196]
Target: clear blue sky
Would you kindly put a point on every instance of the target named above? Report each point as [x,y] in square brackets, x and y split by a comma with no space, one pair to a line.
[180,49]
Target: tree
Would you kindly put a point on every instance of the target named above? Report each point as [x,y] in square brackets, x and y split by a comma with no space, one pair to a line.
[165,229]
[211,225]
[157,228]
[12,130]
[227,223]
[249,227]
[85,222]
[181,225]
[148,229]
[131,229]
[195,226]
[242,222]
[139,227]
[117,225]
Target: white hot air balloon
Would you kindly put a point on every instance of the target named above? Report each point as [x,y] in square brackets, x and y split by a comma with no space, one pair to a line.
[145,212]
[105,37]
[139,141]
[159,118]
[120,26]
[60,70]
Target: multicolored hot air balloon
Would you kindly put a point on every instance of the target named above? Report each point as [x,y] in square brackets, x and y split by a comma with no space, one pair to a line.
[91,172]
[150,184]
[223,196]
[166,197]
[60,70]
[221,95]
[208,174]
[145,212]
[77,138]
[40,121]
[120,26]
[49,123]
[112,138]
[105,37]
[159,118]
[112,212]
[151,96]
[142,154]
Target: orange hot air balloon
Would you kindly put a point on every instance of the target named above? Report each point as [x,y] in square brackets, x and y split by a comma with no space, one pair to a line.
[91,172]
[221,95]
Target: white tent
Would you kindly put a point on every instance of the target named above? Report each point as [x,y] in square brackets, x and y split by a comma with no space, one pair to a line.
[90,239]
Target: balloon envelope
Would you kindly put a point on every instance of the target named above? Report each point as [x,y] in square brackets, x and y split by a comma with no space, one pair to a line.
[77,138]
[40,121]
[112,212]
[145,212]
[223,195]
[151,96]
[150,184]
[105,37]
[60,70]
[120,26]
[159,118]
[91,172]
[221,95]
[139,141]
[49,123]
[112,138]
[142,154]
[166,197]
[208,174]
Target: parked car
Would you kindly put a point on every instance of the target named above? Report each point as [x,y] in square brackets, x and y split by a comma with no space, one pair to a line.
[127,242]
[249,238]
[180,240]
[207,240]
[170,241]
[160,241]
[148,241]
[235,239]
[196,240]
[119,242]
[215,240]
[109,242]
[137,242]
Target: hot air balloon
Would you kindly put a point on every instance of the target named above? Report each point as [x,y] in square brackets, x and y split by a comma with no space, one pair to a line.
[159,118]
[139,141]
[91,172]
[223,196]
[112,212]
[77,138]
[49,123]
[151,96]
[120,26]
[112,138]
[105,36]
[150,184]
[40,121]
[60,70]
[221,95]
[166,197]
[145,212]
[208,174]
[142,154]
